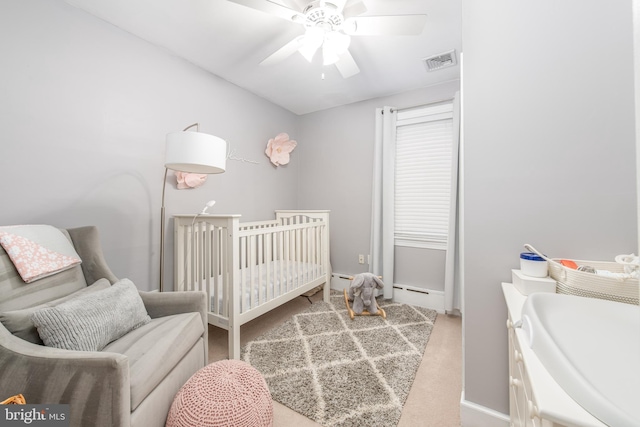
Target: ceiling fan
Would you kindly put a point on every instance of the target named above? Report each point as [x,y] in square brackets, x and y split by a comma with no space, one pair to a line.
[329,25]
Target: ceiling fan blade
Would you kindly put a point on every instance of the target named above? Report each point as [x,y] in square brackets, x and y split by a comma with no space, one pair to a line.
[354,8]
[284,52]
[398,25]
[296,4]
[271,8]
[347,65]
[338,3]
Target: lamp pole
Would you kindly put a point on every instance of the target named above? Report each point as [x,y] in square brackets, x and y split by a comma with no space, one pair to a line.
[164,185]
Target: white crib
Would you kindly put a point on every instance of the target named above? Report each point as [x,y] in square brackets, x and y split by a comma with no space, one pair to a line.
[248,269]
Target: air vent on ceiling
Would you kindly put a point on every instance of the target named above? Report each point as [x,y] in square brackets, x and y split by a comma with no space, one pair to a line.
[442,60]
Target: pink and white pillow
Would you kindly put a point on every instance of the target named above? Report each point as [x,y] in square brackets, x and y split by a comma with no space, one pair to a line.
[38,251]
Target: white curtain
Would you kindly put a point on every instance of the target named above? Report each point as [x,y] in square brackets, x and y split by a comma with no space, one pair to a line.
[382,216]
[451,282]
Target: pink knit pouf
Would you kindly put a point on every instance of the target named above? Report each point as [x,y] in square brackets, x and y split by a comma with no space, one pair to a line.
[227,393]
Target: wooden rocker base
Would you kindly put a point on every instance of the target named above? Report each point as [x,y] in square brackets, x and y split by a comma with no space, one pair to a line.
[352,314]
[18,399]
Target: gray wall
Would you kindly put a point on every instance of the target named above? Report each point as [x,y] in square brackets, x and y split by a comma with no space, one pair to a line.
[422,268]
[337,169]
[85,108]
[549,154]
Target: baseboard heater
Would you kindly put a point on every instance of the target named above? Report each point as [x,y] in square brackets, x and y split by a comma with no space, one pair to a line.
[420,297]
[419,291]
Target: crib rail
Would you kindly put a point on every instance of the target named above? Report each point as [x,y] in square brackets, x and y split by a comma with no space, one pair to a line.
[249,264]
[258,224]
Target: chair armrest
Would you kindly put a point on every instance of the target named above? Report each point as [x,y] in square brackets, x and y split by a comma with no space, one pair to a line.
[160,304]
[94,384]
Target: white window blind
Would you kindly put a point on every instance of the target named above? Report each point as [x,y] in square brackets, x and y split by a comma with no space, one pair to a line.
[423,176]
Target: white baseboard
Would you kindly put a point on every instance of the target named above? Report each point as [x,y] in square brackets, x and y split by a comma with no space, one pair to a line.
[474,415]
[404,294]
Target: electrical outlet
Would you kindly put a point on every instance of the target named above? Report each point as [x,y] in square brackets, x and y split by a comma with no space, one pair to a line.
[361,259]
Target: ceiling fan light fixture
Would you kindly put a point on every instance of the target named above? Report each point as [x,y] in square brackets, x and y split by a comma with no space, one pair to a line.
[312,40]
[350,26]
[329,56]
[308,51]
[335,44]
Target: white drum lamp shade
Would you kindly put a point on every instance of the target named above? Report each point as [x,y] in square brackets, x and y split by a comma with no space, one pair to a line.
[195,152]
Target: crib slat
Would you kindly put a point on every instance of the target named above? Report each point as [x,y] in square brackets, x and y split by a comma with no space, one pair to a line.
[199,258]
[254,267]
[283,262]
[280,260]
[308,257]
[292,265]
[194,255]
[227,266]
[318,251]
[221,291]
[312,260]
[294,256]
[197,273]
[177,254]
[243,273]
[269,263]
[181,241]
[214,296]
[207,259]
[303,255]
[260,242]
[184,262]
[299,246]
[316,260]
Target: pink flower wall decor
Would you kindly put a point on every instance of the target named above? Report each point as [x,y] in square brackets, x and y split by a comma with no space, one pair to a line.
[190,180]
[279,148]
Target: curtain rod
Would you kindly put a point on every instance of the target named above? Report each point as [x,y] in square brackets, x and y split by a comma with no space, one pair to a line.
[421,105]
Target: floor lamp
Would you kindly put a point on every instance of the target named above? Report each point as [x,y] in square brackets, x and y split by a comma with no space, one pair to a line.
[192,152]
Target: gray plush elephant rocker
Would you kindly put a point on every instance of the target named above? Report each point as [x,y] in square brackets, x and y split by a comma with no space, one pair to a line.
[362,293]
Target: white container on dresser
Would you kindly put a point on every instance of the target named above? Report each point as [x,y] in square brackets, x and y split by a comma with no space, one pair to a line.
[527,284]
[535,398]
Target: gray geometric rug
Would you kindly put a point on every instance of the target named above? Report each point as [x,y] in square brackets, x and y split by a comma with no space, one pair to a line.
[342,372]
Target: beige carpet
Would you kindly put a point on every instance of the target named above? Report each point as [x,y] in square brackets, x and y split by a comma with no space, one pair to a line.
[434,396]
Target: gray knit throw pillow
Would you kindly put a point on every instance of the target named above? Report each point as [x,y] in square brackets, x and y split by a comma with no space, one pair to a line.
[91,321]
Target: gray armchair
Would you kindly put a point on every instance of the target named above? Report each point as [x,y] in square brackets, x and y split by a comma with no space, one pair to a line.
[133,380]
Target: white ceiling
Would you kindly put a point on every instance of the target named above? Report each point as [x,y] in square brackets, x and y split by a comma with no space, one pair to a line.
[230,40]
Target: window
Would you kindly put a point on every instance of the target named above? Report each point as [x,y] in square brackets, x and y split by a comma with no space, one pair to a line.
[424,139]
